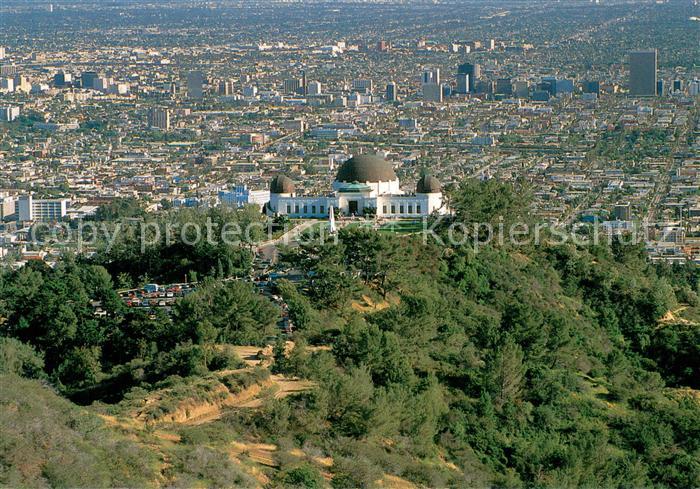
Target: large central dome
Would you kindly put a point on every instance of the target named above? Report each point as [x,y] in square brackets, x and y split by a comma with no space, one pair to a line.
[366,168]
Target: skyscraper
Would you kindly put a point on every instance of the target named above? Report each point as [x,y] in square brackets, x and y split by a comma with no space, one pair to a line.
[432,92]
[504,86]
[642,80]
[314,88]
[292,85]
[159,118]
[391,92]
[195,84]
[87,79]
[62,78]
[431,76]
[462,83]
[474,72]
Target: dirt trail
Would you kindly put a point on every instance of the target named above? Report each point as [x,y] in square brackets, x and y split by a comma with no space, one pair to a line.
[284,386]
[671,317]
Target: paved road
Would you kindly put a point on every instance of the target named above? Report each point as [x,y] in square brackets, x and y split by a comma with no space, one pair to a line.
[268,249]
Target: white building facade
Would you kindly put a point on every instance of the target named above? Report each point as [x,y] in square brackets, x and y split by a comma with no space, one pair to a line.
[364,185]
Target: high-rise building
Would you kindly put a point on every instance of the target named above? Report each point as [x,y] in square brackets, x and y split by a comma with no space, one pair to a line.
[432,92]
[391,92]
[88,78]
[250,91]
[661,87]
[694,88]
[474,72]
[521,88]
[7,84]
[590,86]
[363,85]
[313,88]
[61,79]
[446,90]
[2,52]
[622,212]
[462,83]
[9,114]
[225,88]
[159,118]
[431,76]
[195,84]
[22,84]
[292,85]
[677,85]
[504,86]
[642,79]
[43,210]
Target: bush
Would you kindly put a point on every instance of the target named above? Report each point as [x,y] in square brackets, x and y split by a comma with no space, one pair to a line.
[225,358]
[302,476]
[20,359]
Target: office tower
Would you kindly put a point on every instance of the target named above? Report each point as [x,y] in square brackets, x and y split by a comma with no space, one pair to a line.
[548,84]
[562,87]
[474,72]
[303,82]
[87,79]
[250,91]
[291,85]
[540,96]
[521,88]
[431,77]
[462,83]
[504,86]
[195,84]
[432,92]
[22,84]
[694,88]
[363,85]
[2,52]
[392,92]
[446,90]
[44,210]
[225,88]
[660,87]
[622,212]
[589,86]
[382,46]
[159,118]
[313,88]
[9,114]
[677,85]
[642,80]
[492,44]
[61,79]
[102,83]
[7,84]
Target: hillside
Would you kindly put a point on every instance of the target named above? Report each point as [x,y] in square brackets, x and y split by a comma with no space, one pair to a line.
[412,363]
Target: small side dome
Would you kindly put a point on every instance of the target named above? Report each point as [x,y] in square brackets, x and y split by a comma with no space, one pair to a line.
[428,184]
[282,184]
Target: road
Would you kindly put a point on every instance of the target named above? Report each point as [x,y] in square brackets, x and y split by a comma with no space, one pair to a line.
[268,249]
